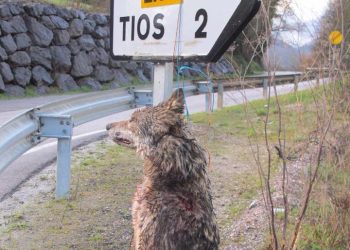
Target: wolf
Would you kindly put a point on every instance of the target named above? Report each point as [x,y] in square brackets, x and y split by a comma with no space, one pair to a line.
[172,208]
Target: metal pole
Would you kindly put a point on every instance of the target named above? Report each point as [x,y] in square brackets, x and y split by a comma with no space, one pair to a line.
[208,102]
[265,86]
[163,82]
[296,83]
[220,95]
[63,172]
[318,79]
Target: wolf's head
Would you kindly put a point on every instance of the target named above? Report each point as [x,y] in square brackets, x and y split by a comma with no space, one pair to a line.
[148,126]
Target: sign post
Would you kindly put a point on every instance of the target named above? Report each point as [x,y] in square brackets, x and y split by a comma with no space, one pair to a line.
[335,38]
[162,82]
[176,30]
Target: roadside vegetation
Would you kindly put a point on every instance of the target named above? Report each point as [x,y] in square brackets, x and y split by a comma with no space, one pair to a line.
[88,5]
[31,92]
[327,219]
[311,137]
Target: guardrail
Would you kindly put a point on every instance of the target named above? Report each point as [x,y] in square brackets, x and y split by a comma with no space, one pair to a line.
[57,120]
[261,80]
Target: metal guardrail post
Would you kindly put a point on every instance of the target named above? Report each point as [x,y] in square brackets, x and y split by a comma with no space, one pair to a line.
[208,102]
[60,127]
[265,87]
[163,82]
[296,83]
[220,95]
[143,97]
[206,88]
[63,171]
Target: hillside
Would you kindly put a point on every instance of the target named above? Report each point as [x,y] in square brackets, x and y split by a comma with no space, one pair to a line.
[283,56]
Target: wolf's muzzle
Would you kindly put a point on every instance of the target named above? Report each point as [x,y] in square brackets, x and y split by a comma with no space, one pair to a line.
[109,126]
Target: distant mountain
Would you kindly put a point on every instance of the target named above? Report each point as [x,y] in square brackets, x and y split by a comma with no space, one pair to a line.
[283,56]
[307,49]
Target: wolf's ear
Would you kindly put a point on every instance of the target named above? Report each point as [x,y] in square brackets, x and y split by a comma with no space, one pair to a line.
[177,101]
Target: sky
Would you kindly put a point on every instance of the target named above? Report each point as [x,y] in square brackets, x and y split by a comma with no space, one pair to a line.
[308,10]
[309,13]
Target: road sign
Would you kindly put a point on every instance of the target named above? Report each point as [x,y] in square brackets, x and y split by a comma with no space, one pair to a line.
[155,3]
[193,30]
[336,37]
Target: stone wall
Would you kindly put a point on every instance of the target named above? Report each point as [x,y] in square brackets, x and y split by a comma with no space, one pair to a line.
[42,45]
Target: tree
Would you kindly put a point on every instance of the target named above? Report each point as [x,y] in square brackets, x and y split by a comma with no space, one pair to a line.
[337,17]
[255,33]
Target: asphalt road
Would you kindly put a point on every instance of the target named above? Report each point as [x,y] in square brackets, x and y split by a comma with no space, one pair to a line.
[45,153]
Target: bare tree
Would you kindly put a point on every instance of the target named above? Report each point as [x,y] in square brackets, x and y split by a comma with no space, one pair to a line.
[327,61]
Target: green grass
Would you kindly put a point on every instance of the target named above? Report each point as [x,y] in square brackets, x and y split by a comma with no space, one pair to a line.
[299,119]
[16,223]
[327,224]
[30,92]
[321,230]
[70,3]
[249,187]
[248,120]
[241,64]
[96,238]
[60,2]
[103,183]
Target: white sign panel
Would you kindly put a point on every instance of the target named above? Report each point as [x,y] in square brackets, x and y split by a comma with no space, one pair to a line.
[161,30]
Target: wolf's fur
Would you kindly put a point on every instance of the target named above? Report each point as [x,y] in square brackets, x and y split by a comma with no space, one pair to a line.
[172,208]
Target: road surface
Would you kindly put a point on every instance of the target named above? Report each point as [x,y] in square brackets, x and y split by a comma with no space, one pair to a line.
[42,155]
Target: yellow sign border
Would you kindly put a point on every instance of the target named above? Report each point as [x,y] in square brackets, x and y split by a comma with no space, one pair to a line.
[158,3]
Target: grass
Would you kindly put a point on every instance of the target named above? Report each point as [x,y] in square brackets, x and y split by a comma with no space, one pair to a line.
[327,224]
[241,63]
[235,119]
[324,230]
[102,188]
[243,121]
[327,221]
[30,91]
[85,6]
[16,223]
[328,218]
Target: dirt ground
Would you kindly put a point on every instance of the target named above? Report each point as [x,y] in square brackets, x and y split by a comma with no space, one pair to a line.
[97,216]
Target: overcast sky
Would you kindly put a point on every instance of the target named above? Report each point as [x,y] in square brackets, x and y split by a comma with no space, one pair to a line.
[309,12]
